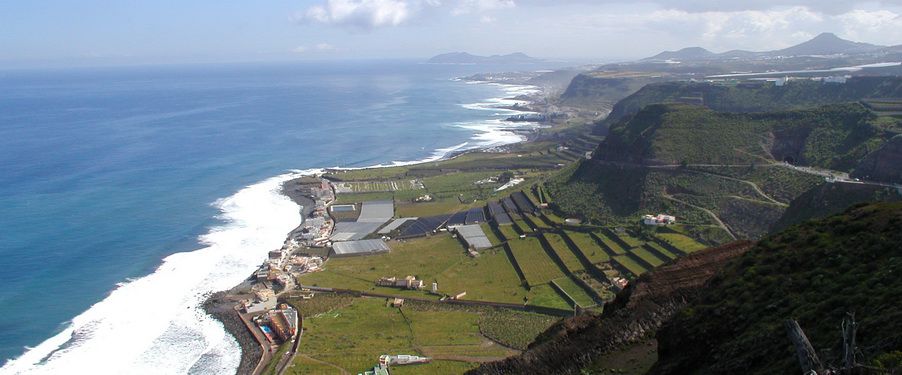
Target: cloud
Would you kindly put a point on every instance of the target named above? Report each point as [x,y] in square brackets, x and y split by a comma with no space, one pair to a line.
[481,6]
[362,14]
[319,47]
[487,19]
[325,47]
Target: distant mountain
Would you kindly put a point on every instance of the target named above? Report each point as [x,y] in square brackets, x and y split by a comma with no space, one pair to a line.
[823,44]
[466,58]
[689,53]
[826,44]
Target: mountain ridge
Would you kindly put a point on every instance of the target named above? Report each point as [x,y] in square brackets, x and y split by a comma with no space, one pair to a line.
[823,44]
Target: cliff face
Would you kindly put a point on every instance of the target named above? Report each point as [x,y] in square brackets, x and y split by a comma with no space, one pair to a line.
[637,313]
[884,164]
[814,273]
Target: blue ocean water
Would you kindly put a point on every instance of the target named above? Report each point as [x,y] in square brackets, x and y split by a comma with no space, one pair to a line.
[105,172]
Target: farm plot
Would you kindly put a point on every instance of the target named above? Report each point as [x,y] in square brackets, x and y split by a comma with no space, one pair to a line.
[614,246]
[576,293]
[537,267]
[630,265]
[681,242]
[647,256]
[563,251]
[588,247]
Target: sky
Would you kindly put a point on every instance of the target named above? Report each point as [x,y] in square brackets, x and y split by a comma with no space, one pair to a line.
[102,32]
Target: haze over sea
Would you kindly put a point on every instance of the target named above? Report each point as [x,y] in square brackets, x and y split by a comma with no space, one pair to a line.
[105,172]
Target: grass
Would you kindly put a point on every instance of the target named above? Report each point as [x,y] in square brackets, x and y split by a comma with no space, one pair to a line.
[545,295]
[576,293]
[440,258]
[353,336]
[362,197]
[630,265]
[588,247]
[490,234]
[662,250]
[425,258]
[537,267]
[610,243]
[425,209]
[629,240]
[648,257]
[508,232]
[681,242]
[563,251]
[496,324]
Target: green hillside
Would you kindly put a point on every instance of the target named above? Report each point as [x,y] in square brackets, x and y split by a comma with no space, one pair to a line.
[833,137]
[752,97]
[815,273]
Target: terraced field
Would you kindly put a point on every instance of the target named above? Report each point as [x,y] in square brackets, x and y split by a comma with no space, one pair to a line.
[508,232]
[588,247]
[681,242]
[576,293]
[537,266]
[660,250]
[633,267]
[563,251]
[610,243]
[647,256]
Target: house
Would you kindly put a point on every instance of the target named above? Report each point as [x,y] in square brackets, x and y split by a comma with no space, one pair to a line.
[659,220]
[397,302]
[409,282]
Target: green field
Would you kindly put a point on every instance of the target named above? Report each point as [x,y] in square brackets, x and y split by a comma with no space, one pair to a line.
[352,336]
[576,293]
[508,232]
[610,243]
[493,238]
[681,242]
[630,265]
[648,257]
[563,251]
[662,250]
[537,266]
[630,240]
[440,258]
[588,247]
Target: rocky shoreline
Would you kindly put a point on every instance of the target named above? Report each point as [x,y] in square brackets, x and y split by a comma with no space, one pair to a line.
[221,306]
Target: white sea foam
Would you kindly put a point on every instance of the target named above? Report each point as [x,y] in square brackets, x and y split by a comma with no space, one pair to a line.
[494,131]
[154,324]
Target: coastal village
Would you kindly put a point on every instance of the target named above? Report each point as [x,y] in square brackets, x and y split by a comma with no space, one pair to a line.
[332,230]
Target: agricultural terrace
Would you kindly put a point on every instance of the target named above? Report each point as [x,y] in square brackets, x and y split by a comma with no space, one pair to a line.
[563,252]
[588,247]
[680,241]
[537,266]
[574,292]
[350,335]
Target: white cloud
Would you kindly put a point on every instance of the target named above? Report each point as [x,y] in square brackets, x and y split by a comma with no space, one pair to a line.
[481,6]
[299,49]
[487,19]
[325,47]
[365,14]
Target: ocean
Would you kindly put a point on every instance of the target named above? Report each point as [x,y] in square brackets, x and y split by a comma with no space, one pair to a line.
[128,194]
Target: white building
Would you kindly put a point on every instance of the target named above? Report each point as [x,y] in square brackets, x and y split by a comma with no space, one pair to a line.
[659,220]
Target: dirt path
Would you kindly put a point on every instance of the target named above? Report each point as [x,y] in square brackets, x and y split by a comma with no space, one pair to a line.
[342,370]
[709,212]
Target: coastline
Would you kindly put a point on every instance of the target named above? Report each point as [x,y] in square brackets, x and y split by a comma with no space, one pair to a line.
[220,305]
